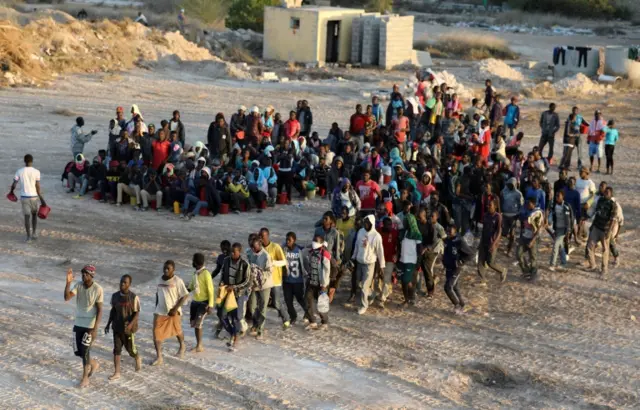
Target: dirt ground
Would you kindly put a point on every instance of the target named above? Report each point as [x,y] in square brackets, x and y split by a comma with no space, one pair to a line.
[570,341]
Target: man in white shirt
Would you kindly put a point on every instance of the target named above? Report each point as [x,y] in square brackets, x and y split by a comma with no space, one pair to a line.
[367,252]
[89,299]
[587,190]
[29,178]
[170,296]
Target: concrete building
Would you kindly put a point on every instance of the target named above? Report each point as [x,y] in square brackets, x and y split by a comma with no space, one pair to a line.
[308,34]
[569,60]
[337,35]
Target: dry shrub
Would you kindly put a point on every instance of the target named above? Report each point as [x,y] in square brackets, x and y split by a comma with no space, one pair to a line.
[65,112]
[239,54]
[16,51]
[474,46]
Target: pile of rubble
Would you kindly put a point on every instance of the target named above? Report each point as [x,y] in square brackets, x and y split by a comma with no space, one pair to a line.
[222,43]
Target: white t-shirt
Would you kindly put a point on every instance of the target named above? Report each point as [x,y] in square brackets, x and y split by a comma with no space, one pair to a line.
[169,291]
[86,299]
[27,176]
[585,187]
[409,251]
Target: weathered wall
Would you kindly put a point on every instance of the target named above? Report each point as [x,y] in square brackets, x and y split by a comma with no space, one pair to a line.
[571,64]
[617,62]
[346,18]
[282,43]
[396,41]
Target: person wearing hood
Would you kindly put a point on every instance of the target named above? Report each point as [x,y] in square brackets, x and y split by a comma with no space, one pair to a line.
[334,137]
[425,186]
[511,205]
[79,137]
[205,174]
[136,117]
[345,196]
[318,267]
[258,185]
[237,125]
[254,128]
[368,251]
[78,175]
[270,175]
[336,173]
[305,118]
[175,124]
[116,125]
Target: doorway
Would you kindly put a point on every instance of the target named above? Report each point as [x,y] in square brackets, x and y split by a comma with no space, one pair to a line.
[333,41]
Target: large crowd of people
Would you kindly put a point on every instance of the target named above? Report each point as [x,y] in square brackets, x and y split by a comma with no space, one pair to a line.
[421,182]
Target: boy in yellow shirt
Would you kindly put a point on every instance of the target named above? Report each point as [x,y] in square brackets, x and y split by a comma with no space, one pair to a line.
[203,297]
[279,261]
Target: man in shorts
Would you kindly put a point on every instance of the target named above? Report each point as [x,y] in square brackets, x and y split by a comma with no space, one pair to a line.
[29,177]
[123,319]
[170,296]
[88,314]
[203,300]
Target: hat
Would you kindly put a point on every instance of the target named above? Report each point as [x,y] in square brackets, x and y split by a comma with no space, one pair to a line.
[255,109]
[89,270]
[201,159]
[255,162]
[512,181]
[412,169]
[151,126]
[366,145]
[119,109]
[191,154]
[168,169]
[79,158]
[215,162]
[427,174]
[267,150]
[270,107]
[242,108]
[398,165]
[207,170]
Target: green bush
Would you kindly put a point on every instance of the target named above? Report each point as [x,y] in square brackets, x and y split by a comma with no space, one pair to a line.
[576,8]
[207,11]
[248,14]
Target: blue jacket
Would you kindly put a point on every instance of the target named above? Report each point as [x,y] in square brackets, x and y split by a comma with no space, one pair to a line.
[270,174]
[513,115]
[451,253]
[539,195]
[572,197]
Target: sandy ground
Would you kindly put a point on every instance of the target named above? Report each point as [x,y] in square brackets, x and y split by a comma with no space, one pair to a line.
[570,341]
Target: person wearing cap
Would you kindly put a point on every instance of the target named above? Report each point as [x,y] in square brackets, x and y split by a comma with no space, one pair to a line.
[79,138]
[238,124]
[368,252]
[305,118]
[254,128]
[78,176]
[89,298]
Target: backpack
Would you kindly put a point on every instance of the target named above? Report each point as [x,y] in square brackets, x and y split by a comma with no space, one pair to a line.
[67,169]
[258,276]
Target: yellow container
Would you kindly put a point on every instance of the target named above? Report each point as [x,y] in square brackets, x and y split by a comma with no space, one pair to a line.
[133,201]
[176,207]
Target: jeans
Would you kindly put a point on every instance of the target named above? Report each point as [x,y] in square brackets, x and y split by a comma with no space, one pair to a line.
[451,287]
[544,140]
[81,180]
[311,297]
[558,247]
[291,291]
[232,321]
[365,273]
[579,150]
[192,198]
[276,298]
[258,305]
[511,129]
[528,268]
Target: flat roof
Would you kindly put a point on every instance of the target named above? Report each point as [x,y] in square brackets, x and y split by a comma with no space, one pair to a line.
[315,9]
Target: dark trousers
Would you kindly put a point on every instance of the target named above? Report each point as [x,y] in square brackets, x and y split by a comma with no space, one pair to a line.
[566,157]
[544,140]
[608,152]
[291,291]
[354,279]
[258,196]
[285,179]
[311,297]
[451,287]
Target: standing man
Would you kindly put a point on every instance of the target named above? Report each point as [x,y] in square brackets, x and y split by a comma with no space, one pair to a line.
[259,299]
[490,241]
[175,124]
[170,296]
[333,243]
[433,245]
[605,215]
[367,252]
[293,281]
[235,276]
[123,320]
[203,300]
[88,314]
[318,261]
[368,191]
[549,125]
[29,177]
[79,138]
[512,116]
[561,216]
[512,201]
[279,261]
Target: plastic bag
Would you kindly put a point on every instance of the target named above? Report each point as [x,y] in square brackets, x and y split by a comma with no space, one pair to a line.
[323,302]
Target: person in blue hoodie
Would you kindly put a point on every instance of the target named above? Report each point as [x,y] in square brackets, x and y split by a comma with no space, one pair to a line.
[512,116]
[535,191]
[258,185]
[272,180]
[377,110]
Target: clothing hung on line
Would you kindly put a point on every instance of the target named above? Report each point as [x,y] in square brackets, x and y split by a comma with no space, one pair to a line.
[582,54]
[558,52]
[634,53]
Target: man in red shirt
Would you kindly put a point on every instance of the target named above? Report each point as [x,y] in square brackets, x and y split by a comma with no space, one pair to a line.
[160,150]
[368,191]
[357,127]
[391,247]
[292,126]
